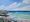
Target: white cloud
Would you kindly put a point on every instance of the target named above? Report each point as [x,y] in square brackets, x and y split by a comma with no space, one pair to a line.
[18,4]
[26,1]
[9,7]
[23,8]
[16,9]
[13,5]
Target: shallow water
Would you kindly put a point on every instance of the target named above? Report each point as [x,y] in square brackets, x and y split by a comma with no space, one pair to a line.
[23,15]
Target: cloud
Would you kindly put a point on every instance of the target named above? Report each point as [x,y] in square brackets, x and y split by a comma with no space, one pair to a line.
[13,5]
[18,4]
[10,7]
[26,1]
[27,8]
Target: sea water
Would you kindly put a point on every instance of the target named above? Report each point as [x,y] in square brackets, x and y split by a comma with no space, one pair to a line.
[21,15]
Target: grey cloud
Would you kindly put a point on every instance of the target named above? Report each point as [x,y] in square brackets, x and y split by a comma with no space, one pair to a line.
[26,1]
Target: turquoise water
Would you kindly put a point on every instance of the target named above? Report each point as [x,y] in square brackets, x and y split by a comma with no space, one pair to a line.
[25,15]
[19,13]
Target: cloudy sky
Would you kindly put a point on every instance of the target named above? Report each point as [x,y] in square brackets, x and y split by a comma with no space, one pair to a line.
[15,5]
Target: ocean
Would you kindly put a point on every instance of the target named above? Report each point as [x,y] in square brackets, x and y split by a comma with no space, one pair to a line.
[23,15]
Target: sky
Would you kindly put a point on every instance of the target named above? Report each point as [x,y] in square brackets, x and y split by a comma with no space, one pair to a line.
[15,5]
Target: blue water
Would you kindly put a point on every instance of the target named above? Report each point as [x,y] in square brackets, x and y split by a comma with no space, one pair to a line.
[23,13]
[18,13]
